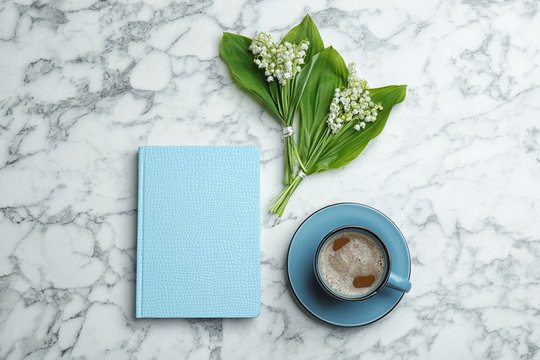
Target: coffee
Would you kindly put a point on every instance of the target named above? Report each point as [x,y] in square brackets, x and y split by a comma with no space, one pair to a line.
[352,263]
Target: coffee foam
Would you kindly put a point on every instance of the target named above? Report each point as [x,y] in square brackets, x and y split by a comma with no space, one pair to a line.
[361,256]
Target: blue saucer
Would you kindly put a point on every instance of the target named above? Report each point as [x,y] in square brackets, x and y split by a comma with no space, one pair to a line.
[300,265]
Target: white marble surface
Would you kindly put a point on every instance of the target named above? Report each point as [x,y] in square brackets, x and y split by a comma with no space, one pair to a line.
[84,83]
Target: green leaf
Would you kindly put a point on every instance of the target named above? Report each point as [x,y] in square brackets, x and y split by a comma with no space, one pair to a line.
[328,73]
[348,143]
[235,52]
[299,86]
[306,30]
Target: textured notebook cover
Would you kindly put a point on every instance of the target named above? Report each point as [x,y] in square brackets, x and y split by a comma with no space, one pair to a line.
[198,232]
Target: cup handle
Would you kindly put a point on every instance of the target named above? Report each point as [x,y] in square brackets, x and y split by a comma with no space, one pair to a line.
[398,283]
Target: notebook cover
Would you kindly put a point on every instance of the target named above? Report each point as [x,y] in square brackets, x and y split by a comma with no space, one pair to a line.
[198,232]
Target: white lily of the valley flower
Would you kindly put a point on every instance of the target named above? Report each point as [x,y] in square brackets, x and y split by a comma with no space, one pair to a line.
[352,104]
[281,62]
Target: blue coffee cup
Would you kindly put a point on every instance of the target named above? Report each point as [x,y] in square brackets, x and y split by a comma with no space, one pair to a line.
[388,278]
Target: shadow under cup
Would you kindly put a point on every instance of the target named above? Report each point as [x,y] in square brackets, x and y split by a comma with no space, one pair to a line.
[387,278]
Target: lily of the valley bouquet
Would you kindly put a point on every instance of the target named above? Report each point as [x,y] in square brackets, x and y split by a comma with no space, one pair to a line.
[298,79]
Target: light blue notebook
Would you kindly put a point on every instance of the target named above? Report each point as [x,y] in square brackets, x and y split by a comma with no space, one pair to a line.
[198,232]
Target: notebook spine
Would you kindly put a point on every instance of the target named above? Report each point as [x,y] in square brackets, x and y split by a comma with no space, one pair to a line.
[140,237]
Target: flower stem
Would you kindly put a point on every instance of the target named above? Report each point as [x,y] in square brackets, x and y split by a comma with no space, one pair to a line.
[283,197]
[290,160]
[297,155]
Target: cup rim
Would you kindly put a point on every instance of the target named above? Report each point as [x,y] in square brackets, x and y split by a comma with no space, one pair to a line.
[334,293]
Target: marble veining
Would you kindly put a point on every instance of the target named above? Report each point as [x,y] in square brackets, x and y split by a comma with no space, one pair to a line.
[84,83]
